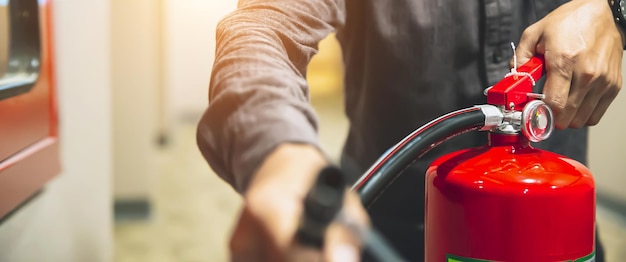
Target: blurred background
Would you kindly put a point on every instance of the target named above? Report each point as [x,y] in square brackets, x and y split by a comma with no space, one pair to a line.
[132,78]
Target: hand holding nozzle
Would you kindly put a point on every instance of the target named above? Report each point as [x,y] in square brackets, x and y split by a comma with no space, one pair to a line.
[323,206]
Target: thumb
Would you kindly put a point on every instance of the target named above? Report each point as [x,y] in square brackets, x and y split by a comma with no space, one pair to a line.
[528,45]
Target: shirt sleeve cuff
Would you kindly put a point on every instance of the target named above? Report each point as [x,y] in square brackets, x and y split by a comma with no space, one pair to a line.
[255,135]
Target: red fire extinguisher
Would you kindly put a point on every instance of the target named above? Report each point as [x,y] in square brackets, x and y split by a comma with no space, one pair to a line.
[505,201]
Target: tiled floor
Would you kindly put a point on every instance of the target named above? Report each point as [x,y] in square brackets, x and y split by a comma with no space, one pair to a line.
[194,210]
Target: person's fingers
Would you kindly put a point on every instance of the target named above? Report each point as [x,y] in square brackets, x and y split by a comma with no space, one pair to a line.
[266,232]
[559,68]
[614,86]
[588,85]
[342,243]
[594,87]
[245,244]
[603,105]
[302,253]
[588,105]
[280,218]
[354,207]
[277,191]
[266,226]
[527,46]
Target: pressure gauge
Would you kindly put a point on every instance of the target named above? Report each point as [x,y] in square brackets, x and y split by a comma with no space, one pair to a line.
[537,121]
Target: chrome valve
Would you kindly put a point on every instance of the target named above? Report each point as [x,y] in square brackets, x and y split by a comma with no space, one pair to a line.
[535,121]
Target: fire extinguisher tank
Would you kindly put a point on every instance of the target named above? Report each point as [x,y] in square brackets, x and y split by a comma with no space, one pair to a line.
[508,201]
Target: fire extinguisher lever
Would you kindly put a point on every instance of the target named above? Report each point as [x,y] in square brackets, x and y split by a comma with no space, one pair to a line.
[516,88]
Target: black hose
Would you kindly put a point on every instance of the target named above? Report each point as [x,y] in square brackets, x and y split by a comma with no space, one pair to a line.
[390,165]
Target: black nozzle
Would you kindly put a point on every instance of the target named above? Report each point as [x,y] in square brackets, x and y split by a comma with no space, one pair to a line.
[321,206]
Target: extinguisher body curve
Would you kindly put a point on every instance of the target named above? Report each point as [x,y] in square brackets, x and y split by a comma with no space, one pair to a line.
[508,201]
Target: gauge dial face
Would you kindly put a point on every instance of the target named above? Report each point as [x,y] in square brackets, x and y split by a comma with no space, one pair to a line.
[537,121]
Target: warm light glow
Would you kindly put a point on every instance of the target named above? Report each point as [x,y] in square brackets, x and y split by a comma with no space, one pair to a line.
[325,70]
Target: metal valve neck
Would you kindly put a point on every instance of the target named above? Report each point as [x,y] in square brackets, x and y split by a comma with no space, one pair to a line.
[511,123]
[513,140]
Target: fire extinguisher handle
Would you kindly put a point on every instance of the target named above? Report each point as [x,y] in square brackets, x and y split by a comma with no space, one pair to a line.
[512,91]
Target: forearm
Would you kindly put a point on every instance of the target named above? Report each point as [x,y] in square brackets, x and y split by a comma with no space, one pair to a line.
[258,93]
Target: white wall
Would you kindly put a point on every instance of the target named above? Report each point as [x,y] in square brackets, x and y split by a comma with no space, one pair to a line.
[161,55]
[189,47]
[136,83]
[71,220]
[607,148]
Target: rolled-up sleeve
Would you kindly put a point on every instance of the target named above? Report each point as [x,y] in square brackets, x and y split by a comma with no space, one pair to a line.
[258,95]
